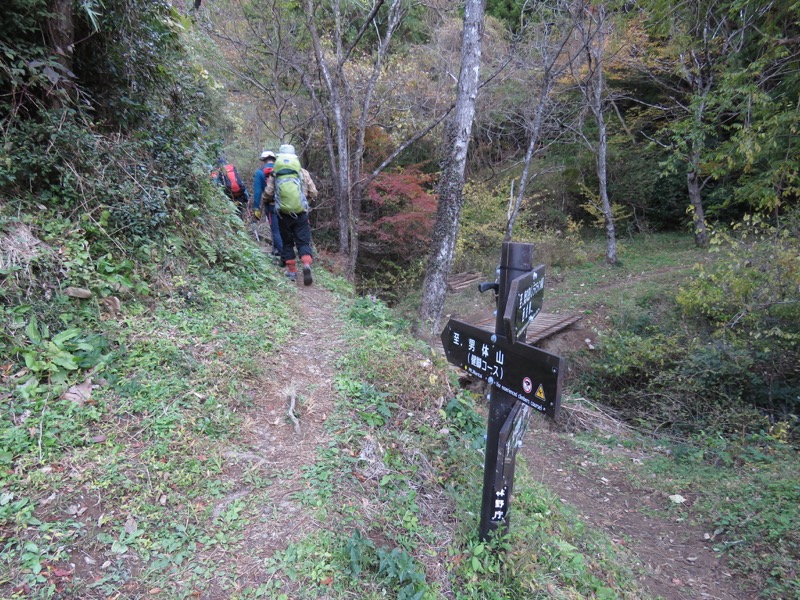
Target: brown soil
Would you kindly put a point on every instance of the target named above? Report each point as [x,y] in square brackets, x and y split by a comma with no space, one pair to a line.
[302,369]
[675,561]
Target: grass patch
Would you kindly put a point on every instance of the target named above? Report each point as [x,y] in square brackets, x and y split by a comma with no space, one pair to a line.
[134,486]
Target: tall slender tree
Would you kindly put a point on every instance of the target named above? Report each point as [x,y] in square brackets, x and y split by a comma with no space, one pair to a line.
[704,36]
[593,26]
[546,35]
[451,185]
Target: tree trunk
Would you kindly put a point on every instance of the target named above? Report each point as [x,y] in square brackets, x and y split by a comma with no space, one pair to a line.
[698,215]
[602,178]
[536,127]
[339,120]
[452,183]
[693,185]
[596,48]
[359,184]
[61,30]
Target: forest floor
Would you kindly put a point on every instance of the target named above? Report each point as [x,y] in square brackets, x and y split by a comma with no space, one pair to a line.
[675,561]
[300,377]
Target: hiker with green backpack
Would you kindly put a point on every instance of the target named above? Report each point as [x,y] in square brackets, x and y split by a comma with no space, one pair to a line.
[262,176]
[291,187]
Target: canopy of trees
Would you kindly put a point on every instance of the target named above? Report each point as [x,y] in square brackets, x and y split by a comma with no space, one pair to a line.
[633,118]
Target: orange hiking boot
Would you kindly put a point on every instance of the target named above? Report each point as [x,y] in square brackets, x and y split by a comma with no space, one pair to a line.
[291,269]
[307,279]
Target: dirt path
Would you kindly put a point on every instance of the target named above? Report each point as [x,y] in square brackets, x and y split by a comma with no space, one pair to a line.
[676,562]
[280,448]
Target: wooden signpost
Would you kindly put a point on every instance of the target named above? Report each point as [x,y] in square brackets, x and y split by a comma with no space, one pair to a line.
[522,377]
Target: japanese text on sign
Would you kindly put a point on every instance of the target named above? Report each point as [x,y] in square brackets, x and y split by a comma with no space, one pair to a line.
[524,372]
[500,505]
[483,360]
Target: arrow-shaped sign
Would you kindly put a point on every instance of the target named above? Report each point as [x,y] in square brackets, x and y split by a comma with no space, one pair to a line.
[526,373]
[525,297]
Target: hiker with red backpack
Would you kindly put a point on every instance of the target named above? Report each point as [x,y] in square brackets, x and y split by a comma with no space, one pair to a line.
[291,187]
[263,174]
[232,184]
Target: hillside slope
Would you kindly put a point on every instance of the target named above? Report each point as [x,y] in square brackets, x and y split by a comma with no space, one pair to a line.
[180,473]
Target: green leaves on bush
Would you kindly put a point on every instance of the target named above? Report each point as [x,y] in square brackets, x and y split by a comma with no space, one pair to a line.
[735,360]
[51,359]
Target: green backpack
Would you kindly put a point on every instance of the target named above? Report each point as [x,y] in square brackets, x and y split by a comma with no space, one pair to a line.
[289,196]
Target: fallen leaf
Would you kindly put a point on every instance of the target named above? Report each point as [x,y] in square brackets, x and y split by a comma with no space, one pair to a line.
[80,393]
[154,591]
[327,581]
[61,573]
[131,525]
[99,439]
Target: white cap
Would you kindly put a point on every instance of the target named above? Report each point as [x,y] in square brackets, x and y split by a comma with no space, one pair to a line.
[267,154]
[286,149]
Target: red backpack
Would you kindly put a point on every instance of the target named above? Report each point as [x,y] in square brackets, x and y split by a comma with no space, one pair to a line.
[232,180]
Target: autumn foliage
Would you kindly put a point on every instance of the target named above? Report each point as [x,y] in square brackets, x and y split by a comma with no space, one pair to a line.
[397,218]
[396,224]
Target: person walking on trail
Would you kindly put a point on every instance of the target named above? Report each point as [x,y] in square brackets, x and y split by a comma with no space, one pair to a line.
[232,184]
[263,174]
[291,187]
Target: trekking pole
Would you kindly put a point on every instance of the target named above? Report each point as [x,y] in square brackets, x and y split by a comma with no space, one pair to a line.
[254,224]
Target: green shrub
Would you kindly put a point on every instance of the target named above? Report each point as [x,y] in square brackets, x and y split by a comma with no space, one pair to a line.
[750,305]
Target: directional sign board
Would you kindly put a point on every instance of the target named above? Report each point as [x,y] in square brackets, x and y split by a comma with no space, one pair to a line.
[528,374]
[525,297]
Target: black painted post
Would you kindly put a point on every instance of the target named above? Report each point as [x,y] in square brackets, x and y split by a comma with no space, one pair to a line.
[516,259]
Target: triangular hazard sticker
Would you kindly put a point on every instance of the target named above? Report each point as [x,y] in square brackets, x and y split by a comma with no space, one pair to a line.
[539,392]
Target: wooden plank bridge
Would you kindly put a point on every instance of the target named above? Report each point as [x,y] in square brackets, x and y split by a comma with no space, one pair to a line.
[542,327]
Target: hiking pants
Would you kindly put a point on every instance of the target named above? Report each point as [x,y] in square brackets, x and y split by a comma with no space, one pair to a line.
[295,230]
[275,228]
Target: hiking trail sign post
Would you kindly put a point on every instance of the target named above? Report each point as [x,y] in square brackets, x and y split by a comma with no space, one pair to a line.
[522,377]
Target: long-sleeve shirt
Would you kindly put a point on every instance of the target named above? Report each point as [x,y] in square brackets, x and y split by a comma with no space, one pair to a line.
[259,185]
